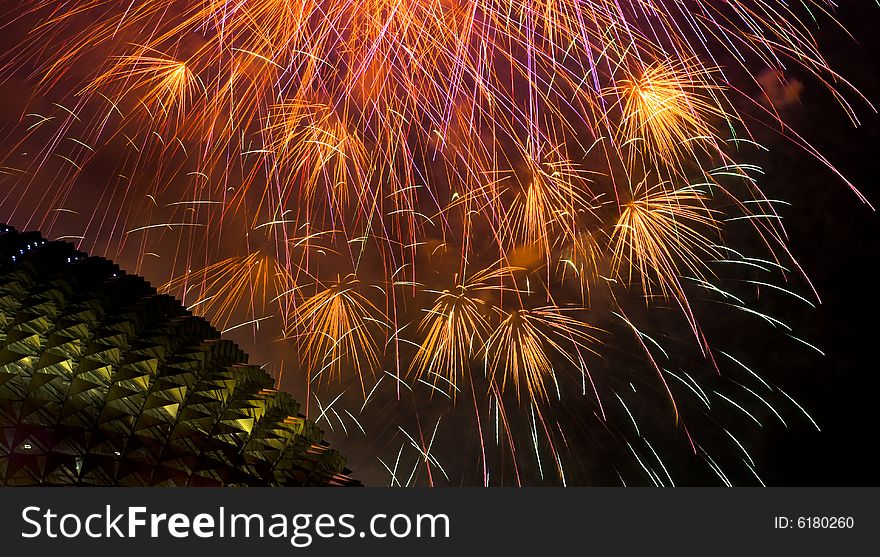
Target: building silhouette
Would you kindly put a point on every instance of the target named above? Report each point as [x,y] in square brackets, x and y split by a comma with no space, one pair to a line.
[105,382]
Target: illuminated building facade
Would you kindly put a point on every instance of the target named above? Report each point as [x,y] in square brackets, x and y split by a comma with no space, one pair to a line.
[105,382]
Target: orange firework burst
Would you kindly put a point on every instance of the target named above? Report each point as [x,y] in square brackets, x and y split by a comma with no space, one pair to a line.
[662,234]
[525,344]
[255,280]
[333,328]
[667,113]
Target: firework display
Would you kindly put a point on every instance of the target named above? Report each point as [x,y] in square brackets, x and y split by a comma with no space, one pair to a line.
[479,239]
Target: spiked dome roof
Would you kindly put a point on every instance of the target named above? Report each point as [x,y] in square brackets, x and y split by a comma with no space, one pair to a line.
[105,382]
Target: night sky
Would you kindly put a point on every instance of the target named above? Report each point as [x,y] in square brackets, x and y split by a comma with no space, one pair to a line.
[837,239]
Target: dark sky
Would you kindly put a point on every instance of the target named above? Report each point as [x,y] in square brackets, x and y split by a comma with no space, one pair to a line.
[837,239]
